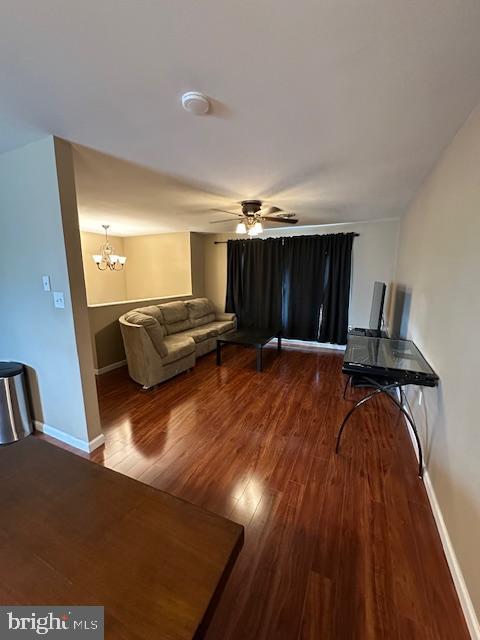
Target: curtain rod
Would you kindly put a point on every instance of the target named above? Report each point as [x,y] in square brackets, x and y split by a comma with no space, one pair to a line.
[225,241]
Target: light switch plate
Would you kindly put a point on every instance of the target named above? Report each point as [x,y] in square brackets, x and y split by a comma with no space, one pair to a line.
[46,283]
[58,300]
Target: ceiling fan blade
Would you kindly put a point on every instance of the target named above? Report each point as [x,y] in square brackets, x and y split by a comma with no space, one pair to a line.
[224,211]
[287,220]
[227,221]
[269,210]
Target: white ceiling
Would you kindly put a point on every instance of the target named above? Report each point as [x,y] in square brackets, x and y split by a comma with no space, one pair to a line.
[334,109]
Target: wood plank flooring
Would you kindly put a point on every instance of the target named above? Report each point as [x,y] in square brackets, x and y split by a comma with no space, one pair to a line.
[336,547]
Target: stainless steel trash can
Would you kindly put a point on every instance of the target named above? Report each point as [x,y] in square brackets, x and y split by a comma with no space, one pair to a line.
[15,420]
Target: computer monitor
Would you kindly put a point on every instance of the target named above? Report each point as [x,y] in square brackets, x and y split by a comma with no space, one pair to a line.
[376,314]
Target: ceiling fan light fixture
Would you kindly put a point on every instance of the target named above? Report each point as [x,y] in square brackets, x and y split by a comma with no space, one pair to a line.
[241,228]
[251,219]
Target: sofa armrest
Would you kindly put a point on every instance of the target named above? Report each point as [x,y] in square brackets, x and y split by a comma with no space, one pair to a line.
[225,317]
[144,362]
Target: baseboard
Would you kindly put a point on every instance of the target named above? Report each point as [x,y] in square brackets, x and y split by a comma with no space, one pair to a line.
[457,575]
[453,564]
[110,367]
[310,344]
[58,434]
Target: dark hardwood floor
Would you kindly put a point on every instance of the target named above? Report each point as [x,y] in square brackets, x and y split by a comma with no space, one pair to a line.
[341,547]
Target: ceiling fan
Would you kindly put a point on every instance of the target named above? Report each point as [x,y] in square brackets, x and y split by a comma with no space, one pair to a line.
[252,216]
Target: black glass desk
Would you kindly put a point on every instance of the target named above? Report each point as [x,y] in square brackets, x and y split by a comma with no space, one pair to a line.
[386,365]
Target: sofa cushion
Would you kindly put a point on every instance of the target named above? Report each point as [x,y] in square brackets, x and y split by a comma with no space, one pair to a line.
[153,311]
[222,326]
[154,330]
[178,347]
[200,311]
[173,311]
[199,307]
[199,334]
[176,327]
[199,322]
[175,317]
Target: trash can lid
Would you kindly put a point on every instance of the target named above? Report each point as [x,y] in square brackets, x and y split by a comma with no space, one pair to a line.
[9,369]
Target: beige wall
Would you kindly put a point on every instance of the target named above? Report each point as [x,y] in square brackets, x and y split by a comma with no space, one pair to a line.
[102,286]
[37,206]
[197,256]
[158,265]
[374,255]
[438,275]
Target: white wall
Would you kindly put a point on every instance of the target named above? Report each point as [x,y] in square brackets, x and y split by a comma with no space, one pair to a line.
[439,273]
[373,258]
[53,343]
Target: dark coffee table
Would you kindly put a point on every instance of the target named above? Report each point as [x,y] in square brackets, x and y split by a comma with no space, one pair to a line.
[257,338]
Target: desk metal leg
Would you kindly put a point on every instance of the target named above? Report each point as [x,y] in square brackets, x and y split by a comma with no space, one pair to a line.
[378,390]
[349,379]
[279,343]
[259,358]
[219,353]
[414,429]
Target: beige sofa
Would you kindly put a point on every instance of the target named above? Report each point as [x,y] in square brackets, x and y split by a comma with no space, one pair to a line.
[164,340]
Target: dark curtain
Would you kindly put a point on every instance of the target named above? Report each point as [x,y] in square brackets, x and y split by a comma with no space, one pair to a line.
[303,286]
[336,299]
[254,282]
[234,301]
[299,283]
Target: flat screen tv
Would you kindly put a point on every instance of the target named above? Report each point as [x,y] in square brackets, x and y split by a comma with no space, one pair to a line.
[378,299]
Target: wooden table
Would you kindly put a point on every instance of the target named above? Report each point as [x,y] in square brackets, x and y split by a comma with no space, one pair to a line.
[73,532]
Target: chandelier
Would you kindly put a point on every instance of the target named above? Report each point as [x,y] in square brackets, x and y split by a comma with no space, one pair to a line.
[107,258]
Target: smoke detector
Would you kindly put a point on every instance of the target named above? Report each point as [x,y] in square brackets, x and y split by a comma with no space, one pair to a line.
[196,103]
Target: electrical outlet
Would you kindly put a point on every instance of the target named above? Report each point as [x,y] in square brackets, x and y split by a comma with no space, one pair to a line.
[58,300]
[46,283]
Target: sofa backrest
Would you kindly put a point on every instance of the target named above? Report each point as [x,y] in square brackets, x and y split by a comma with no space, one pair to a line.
[154,312]
[175,317]
[200,311]
[171,317]
[149,322]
